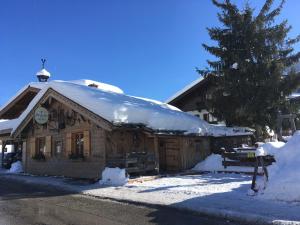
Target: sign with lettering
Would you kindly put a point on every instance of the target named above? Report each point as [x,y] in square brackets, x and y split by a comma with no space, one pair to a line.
[41,115]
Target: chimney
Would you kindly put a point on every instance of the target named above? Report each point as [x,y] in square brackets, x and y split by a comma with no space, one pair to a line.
[43,75]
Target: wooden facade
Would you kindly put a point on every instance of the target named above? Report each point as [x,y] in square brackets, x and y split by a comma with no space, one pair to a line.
[181,152]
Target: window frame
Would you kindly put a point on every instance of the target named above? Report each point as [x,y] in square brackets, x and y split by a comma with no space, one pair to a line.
[38,145]
[77,149]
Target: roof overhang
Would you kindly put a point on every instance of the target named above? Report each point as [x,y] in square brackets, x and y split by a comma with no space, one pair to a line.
[18,104]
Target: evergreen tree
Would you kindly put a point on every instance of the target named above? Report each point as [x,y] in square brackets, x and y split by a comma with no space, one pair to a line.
[253,54]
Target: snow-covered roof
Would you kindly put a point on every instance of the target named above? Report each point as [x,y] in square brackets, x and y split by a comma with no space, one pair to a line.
[295,95]
[43,72]
[40,85]
[125,109]
[100,85]
[186,88]
[8,125]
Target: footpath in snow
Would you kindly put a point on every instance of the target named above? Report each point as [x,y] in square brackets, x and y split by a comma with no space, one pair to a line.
[214,194]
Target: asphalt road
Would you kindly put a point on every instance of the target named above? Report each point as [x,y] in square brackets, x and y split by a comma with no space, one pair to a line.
[22,204]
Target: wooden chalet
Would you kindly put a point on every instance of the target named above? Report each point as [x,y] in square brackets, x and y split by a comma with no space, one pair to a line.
[58,136]
[76,129]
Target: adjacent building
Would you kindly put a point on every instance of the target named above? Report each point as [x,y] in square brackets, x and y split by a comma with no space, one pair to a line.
[192,98]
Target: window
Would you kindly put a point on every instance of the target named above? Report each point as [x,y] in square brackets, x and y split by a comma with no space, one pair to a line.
[38,146]
[41,145]
[77,144]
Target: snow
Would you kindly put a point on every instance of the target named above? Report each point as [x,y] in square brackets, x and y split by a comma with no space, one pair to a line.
[294,95]
[101,86]
[9,148]
[189,86]
[223,195]
[234,65]
[272,148]
[113,177]
[8,125]
[43,72]
[284,175]
[213,163]
[16,167]
[120,108]
[260,151]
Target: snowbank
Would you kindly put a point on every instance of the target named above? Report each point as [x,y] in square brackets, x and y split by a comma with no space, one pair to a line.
[284,175]
[271,148]
[16,167]
[113,177]
[213,163]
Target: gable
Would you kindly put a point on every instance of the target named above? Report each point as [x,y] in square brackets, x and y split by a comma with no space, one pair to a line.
[15,107]
[193,94]
[51,96]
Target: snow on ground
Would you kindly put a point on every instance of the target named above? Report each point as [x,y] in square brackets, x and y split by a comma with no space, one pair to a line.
[16,167]
[284,175]
[215,194]
[272,148]
[113,177]
[213,163]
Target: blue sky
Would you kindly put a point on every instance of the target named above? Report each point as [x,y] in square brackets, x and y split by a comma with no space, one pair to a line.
[148,48]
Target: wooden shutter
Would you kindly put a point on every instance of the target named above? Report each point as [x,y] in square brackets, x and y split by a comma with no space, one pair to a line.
[68,144]
[86,143]
[48,146]
[32,144]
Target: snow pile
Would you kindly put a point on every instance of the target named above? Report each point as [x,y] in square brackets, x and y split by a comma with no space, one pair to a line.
[16,167]
[113,177]
[271,148]
[260,151]
[284,175]
[213,163]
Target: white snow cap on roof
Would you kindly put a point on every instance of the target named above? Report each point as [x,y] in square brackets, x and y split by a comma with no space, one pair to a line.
[120,108]
[43,72]
[8,124]
[102,86]
[186,88]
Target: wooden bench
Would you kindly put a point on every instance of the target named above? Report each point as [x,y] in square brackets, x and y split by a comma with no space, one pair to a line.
[134,162]
[244,157]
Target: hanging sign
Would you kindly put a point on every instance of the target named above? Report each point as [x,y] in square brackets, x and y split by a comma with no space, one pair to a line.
[41,115]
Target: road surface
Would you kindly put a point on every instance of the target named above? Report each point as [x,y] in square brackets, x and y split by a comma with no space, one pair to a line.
[30,204]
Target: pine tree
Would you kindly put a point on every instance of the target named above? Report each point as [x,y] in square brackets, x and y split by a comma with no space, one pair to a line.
[253,54]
